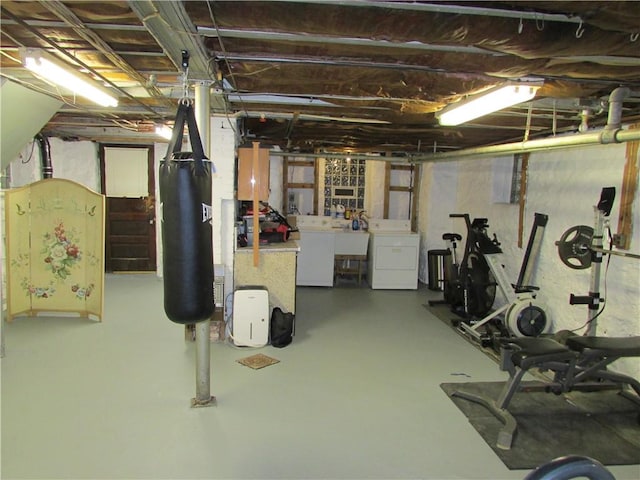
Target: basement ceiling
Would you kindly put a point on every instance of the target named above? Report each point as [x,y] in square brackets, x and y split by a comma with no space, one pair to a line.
[314,76]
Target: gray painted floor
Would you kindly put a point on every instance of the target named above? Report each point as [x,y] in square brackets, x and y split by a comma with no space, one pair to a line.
[355,396]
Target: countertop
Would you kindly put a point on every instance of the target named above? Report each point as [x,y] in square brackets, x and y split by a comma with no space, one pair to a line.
[282,247]
[331,230]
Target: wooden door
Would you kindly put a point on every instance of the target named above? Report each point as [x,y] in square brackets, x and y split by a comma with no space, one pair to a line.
[128,182]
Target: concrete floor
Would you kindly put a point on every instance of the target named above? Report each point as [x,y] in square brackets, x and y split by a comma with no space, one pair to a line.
[356,395]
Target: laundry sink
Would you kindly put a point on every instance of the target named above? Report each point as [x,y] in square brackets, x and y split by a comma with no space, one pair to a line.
[351,242]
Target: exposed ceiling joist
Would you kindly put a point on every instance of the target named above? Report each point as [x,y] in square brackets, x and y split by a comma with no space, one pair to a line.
[333,40]
[171,26]
[452,9]
[61,11]
[311,75]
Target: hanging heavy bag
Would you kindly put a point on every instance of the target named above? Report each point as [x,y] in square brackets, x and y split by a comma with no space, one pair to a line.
[187,250]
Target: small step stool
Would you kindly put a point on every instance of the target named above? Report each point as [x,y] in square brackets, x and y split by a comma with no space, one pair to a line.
[348,265]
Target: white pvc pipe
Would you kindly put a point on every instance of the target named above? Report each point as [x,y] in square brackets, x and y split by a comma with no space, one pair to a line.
[597,137]
[611,133]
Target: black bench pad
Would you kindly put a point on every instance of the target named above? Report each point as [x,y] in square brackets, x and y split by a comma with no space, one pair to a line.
[606,346]
[536,350]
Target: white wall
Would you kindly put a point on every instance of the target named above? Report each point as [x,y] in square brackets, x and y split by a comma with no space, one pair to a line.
[77,161]
[222,153]
[565,185]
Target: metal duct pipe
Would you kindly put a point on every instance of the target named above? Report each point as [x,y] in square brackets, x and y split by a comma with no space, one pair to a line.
[45,156]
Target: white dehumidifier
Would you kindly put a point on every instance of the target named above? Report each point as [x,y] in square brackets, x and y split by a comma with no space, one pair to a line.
[250,317]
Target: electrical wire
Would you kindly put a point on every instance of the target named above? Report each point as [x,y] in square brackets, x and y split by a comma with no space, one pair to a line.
[6,54]
[33,146]
[226,61]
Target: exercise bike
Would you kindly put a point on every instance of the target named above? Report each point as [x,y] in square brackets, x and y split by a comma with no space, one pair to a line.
[470,286]
[473,287]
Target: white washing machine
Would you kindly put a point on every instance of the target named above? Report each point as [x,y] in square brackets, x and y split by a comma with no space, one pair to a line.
[393,259]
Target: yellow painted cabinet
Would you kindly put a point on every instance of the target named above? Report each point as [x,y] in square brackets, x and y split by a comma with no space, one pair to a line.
[55,249]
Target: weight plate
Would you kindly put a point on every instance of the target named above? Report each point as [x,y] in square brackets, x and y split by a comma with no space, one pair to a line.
[574,247]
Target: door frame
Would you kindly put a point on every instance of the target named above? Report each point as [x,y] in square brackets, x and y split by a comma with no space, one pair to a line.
[151,186]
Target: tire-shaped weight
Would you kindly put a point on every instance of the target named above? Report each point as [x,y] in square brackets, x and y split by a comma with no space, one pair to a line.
[574,247]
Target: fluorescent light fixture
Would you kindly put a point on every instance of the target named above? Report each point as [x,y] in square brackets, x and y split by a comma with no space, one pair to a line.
[164,131]
[53,70]
[490,101]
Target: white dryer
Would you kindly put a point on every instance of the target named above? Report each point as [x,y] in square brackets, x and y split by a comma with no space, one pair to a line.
[393,260]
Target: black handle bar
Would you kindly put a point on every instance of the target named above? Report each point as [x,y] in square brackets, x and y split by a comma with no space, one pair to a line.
[467,220]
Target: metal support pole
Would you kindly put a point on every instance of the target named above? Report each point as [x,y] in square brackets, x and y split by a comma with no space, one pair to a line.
[203,396]
[594,287]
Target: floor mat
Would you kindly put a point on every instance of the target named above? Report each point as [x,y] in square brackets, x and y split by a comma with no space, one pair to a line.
[258,361]
[601,425]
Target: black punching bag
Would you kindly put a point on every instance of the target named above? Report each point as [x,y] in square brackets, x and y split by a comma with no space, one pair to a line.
[187,250]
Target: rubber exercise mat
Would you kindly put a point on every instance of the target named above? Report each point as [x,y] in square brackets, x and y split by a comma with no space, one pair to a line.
[602,425]
[258,361]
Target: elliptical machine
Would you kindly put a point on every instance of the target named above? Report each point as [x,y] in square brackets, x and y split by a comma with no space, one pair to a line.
[471,290]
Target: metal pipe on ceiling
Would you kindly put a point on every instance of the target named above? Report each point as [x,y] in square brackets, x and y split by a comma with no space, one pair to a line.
[324,61]
[170,25]
[454,10]
[334,40]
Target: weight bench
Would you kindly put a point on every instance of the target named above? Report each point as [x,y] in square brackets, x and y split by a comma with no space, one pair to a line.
[580,363]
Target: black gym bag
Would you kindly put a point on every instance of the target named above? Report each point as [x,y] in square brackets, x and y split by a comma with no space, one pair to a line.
[281,327]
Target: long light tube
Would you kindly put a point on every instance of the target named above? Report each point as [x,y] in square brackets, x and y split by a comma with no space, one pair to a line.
[490,101]
[54,71]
